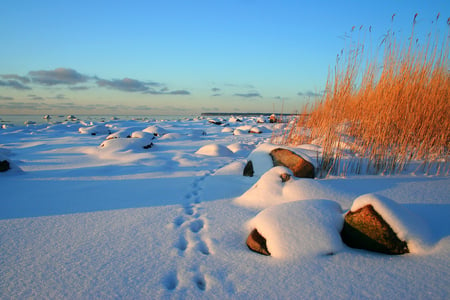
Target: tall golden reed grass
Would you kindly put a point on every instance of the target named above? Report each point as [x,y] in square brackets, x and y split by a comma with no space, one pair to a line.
[385,111]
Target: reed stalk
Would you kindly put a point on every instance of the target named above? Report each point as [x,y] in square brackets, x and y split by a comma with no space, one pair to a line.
[389,113]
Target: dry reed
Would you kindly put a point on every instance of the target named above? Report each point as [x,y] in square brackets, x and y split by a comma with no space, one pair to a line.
[386,114]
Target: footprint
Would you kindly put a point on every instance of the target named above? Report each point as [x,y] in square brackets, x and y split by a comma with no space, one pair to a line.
[196,225]
[178,221]
[202,248]
[170,281]
[188,209]
[181,244]
[200,282]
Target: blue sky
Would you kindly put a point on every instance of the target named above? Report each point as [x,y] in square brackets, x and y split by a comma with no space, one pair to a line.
[186,57]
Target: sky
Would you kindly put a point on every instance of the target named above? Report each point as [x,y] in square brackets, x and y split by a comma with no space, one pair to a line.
[187,57]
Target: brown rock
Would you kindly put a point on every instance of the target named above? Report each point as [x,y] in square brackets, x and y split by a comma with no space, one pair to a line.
[256,242]
[366,229]
[248,169]
[298,165]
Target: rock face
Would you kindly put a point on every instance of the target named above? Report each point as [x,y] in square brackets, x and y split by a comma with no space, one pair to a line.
[297,164]
[256,242]
[300,167]
[366,229]
[4,165]
[248,169]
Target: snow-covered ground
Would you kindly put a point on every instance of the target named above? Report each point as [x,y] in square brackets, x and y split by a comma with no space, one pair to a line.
[149,210]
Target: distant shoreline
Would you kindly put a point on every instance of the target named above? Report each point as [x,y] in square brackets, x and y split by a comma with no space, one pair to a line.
[247,114]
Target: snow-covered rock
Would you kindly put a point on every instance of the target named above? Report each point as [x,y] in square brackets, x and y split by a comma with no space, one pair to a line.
[241,149]
[407,226]
[172,136]
[197,132]
[156,130]
[234,119]
[214,150]
[215,121]
[142,135]
[299,166]
[128,144]
[270,190]
[239,132]
[262,160]
[301,228]
[95,130]
[227,129]
[121,134]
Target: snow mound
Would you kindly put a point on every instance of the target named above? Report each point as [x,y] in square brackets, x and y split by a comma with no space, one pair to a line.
[244,128]
[95,130]
[214,150]
[239,132]
[259,129]
[234,119]
[155,130]
[227,129]
[197,132]
[408,226]
[270,190]
[241,148]
[234,168]
[142,135]
[301,228]
[133,144]
[123,133]
[172,136]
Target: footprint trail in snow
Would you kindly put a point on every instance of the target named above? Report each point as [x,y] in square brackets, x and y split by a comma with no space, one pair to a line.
[192,244]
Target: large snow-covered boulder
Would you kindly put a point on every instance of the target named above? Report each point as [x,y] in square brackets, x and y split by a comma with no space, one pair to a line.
[299,166]
[266,156]
[300,228]
[379,224]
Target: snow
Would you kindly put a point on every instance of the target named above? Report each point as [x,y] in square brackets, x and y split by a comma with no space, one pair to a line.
[80,220]
[270,190]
